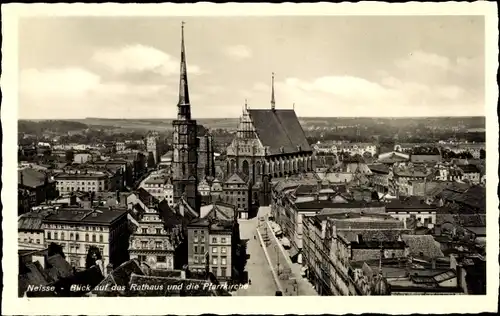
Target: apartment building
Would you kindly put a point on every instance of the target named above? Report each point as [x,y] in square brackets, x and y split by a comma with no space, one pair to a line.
[77,229]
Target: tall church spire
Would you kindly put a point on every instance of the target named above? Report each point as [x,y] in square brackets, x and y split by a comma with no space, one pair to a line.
[183,107]
[273,102]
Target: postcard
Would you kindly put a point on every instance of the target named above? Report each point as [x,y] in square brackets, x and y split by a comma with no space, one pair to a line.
[342,156]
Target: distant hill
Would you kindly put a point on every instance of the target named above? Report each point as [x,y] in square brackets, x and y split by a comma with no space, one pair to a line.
[158,124]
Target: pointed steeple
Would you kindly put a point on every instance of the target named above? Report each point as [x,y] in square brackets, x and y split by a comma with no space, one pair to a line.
[273,102]
[183,107]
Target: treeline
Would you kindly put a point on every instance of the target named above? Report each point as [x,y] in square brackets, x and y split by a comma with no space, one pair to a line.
[55,126]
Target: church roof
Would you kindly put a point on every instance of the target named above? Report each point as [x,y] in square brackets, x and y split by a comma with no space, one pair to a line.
[278,129]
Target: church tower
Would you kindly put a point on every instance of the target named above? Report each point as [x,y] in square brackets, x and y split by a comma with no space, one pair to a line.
[185,159]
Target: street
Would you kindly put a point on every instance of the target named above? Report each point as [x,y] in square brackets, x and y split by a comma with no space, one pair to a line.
[257,266]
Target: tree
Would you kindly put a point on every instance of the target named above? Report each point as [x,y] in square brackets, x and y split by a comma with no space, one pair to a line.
[55,249]
[70,156]
[92,256]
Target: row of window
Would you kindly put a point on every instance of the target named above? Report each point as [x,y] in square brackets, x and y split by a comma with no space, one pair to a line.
[89,189]
[223,272]
[145,243]
[161,259]
[215,260]
[158,231]
[74,236]
[30,240]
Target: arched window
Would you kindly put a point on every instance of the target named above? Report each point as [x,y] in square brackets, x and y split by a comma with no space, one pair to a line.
[94,238]
[245,168]
[86,237]
[62,236]
[258,167]
[71,236]
[101,238]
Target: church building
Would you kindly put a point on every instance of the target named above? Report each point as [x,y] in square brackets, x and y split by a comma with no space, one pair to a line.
[270,143]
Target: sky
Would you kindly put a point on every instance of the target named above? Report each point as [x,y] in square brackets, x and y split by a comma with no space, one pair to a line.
[335,66]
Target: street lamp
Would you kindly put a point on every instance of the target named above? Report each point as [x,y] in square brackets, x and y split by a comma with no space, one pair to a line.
[277,258]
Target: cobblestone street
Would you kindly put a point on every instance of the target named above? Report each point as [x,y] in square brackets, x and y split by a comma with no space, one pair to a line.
[257,266]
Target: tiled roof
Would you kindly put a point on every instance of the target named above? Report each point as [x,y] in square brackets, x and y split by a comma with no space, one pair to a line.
[88,216]
[30,177]
[279,129]
[423,245]
[370,236]
[145,197]
[379,168]
[170,218]
[30,221]
[120,276]
[408,203]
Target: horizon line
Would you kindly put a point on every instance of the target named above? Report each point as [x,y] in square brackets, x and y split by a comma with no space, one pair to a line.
[237,117]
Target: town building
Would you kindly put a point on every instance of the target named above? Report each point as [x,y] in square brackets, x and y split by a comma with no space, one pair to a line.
[471,173]
[185,147]
[152,146]
[81,158]
[160,186]
[336,241]
[412,207]
[34,188]
[151,243]
[77,229]
[236,190]
[83,181]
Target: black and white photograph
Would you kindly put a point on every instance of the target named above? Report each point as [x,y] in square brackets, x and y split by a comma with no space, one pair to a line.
[182,153]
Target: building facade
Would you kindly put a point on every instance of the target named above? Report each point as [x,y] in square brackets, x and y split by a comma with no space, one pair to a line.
[86,182]
[77,229]
[151,243]
[206,163]
[185,147]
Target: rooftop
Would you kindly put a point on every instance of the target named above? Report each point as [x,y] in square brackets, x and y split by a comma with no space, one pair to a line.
[85,216]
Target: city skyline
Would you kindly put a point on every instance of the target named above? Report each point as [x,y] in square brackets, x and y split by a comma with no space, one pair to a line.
[131,70]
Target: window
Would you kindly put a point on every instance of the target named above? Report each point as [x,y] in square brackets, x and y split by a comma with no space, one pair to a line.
[214,249]
[101,238]
[195,249]
[144,244]
[77,236]
[142,258]
[55,235]
[94,239]
[71,236]
[93,228]
[223,240]
[144,230]
[214,260]
[214,271]
[38,241]
[48,235]
[223,250]
[222,272]
[202,250]
[100,228]
[196,259]
[158,244]
[158,231]
[161,259]
[195,238]
[202,238]
[214,240]
[223,260]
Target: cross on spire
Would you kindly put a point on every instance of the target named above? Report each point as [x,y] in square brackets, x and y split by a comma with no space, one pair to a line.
[273,102]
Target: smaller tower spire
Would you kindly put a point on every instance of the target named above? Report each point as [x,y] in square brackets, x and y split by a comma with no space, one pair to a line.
[273,102]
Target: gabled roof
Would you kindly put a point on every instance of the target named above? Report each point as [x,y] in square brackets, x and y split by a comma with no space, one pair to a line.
[280,130]
[237,177]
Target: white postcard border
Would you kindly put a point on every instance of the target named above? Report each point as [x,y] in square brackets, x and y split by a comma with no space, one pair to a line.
[12,305]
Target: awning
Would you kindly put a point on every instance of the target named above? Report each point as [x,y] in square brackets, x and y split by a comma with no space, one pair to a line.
[285,242]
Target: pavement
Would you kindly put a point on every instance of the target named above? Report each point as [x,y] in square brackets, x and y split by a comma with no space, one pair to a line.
[296,283]
[259,271]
